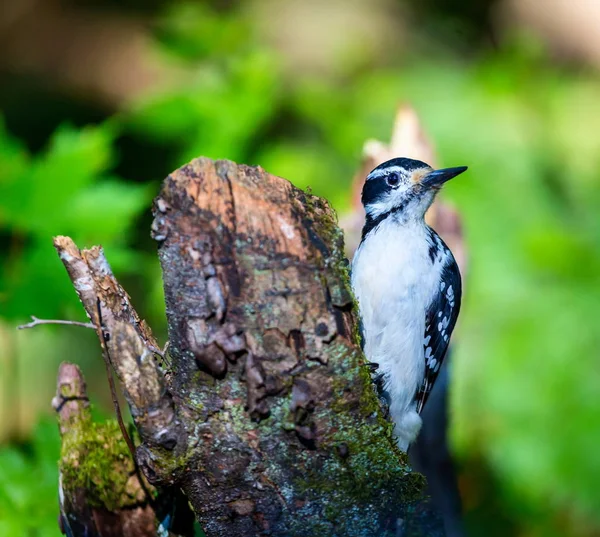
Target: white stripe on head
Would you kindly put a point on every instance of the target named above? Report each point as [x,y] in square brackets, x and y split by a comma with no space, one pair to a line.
[378,173]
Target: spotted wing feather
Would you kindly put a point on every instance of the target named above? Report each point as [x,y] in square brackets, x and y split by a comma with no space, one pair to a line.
[439,323]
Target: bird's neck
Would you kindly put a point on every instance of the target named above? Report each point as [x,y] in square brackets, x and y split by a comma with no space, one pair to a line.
[397,217]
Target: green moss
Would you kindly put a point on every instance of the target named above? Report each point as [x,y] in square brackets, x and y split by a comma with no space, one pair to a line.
[371,479]
[369,475]
[95,457]
[325,225]
[374,459]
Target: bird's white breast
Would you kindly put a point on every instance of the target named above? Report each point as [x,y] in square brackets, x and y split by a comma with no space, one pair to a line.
[394,281]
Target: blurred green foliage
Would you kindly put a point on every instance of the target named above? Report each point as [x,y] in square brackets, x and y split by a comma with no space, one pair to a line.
[525,376]
[67,189]
[29,485]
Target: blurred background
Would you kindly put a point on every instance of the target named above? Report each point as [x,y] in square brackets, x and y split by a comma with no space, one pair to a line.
[101,99]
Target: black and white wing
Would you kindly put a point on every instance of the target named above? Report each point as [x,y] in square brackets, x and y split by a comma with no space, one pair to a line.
[439,322]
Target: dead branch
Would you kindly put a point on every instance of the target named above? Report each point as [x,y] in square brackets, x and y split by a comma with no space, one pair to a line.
[109,307]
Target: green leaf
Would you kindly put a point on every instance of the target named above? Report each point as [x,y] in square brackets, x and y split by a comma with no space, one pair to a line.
[63,191]
[38,198]
[29,485]
[104,211]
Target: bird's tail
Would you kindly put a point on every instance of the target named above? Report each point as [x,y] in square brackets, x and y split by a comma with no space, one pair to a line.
[407,425]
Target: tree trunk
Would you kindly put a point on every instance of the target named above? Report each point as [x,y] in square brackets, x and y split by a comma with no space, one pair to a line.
[263,412]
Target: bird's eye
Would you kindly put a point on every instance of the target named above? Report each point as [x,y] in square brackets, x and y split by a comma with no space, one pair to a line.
[393,179]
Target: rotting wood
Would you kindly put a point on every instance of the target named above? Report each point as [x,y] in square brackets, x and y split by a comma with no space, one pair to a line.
[267,418]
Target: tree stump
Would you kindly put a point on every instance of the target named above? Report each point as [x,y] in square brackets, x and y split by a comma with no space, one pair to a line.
[264,413]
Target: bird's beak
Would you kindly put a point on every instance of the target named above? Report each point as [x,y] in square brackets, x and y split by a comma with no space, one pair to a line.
[437,178]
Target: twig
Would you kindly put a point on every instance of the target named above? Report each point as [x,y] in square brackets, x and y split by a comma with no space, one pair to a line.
[36,322]
[162,353]
[102,336]
[111,381]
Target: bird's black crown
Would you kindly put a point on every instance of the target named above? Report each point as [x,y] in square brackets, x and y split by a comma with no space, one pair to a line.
[404,163]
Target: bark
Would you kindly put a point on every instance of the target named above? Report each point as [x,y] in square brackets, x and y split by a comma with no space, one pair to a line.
[264,413]
[100,492]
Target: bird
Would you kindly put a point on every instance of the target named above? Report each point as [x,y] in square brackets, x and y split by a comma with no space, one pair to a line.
[408,288]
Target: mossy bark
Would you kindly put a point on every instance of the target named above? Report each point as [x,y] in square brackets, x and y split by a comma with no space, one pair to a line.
[265,417]
[100,492]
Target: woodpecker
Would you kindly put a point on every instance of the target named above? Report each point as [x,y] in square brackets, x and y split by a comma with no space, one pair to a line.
[407,285]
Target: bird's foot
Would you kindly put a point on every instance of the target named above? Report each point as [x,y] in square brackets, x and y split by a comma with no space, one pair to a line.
[382,394]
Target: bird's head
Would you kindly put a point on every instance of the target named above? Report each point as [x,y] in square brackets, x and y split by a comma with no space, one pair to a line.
[404,186]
